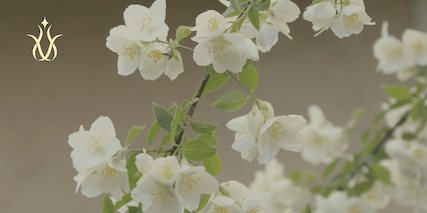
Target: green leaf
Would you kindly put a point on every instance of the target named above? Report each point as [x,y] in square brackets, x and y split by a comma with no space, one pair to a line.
[182,32]
[125,199]
[231,101]
[407,136]
[224,191]
[417,110]
[362,187]
[204,199]
[378,117]
[249,78]
[135,131]
[236,26]
[398,92]
[198,150]
[307,210]
[202,128]
[130,164]
[329,169]
[365,136]
[309,177]
[232,14]
[133,209]
[253,16]
[213,165]
[296,176]
[107,205]
[166,139]
[263,6]
[152,132]
[210,138]
[210,70]
[381,173]
[163,117]
[175,127]
[317,1]
[235,5]
[134,180]
[215,82]
[421,70]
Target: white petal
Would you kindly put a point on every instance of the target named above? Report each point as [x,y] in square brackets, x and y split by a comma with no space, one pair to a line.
[174,67]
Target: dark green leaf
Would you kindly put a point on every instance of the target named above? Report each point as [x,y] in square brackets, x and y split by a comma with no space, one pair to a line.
[133,209]
[253,16]
[235,5]
[249,78]
[407,136]
[198,150]
[152,132]
[163,117]
[421,70]
[135,131]
[362,187]
[329,169]
[263,5]
[107,205]
[231,101]
[212,165]
[182,32]
[381,173]
[210,70]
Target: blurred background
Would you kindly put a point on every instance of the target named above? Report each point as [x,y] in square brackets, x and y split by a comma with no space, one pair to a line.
[41,103]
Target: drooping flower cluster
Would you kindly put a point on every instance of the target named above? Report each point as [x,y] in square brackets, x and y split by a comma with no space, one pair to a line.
[235,198]
[401,57]
[261,135]
[141,43]
[168,187]
[98,157]
[280,194]
[325,142]
[343,17]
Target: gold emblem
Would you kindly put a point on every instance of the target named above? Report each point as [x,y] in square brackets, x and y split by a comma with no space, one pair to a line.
[52,46]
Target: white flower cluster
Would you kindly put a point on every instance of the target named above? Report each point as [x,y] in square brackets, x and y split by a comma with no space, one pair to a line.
[261,135]
[168,187]
[238,199]
[141,43]
[401,57]
[408,166]
[339,202]
[325,142]
[343,17]
[280,194]
[99,158]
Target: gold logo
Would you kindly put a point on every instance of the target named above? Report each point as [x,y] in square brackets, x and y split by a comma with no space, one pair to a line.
[52,46]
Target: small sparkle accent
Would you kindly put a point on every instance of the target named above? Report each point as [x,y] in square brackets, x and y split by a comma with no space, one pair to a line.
[44,22]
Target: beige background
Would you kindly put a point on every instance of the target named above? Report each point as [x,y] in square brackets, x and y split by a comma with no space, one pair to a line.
[41,103]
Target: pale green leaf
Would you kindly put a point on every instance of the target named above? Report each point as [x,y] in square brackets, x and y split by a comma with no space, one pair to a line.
[329,169]
[152,132]
[215,82]
[107,205]
[202,128]
[253,16]
[198,150]
[231,101]
[135,131]
[182,32]
[249,78]
[125,199]
[398,92]
[212,164]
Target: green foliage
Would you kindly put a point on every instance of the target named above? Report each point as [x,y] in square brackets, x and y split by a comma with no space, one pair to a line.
[204,199]
[398,92]
[307,210]
[224,191]
[125,199]
[182,32]
[364,137]
[107,205]
[378,117]
[231,101]
[212,164]
[322,190]
[362,187]
[236,26]
[381,173]
[296,176]
[202,128]
[166,139]
[317,2]
[407,136]
[133,209]
[210,138]
[253,16]
[235,5]
[152,132]
[215,82]
[133,180]
[249,78]
[262,6]
[210,70]
[130,164]
[163,117]
[299,177]
[135,131]
[329,168]
[421,70]
[417,110]
[198,150]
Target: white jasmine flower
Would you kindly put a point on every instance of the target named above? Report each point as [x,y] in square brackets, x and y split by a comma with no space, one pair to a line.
[144,162]
[351,20]
[332,204]
[103,179]
[222,204]
[128,50]
[209,23]
[154,61]
[392,117]
[377,196]
[415,45]
[191,183]
[282,132]
[93,147]
[124,208]
[146,24]
[321,15]
[389,52]
[355,204]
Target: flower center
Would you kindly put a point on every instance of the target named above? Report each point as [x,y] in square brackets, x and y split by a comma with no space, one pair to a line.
[417,47]
[159,195]
[396,51]
[354,209]
[95,146]
[218,49]
[352,18]
[129,51]
[254,209]
[370,197]
[315,141]
[109,172]
[219,209]
[145,23]
[418,153]
[190,183]
[166,173]
[155,55]
[213,24]
[276,130]
[144,171]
